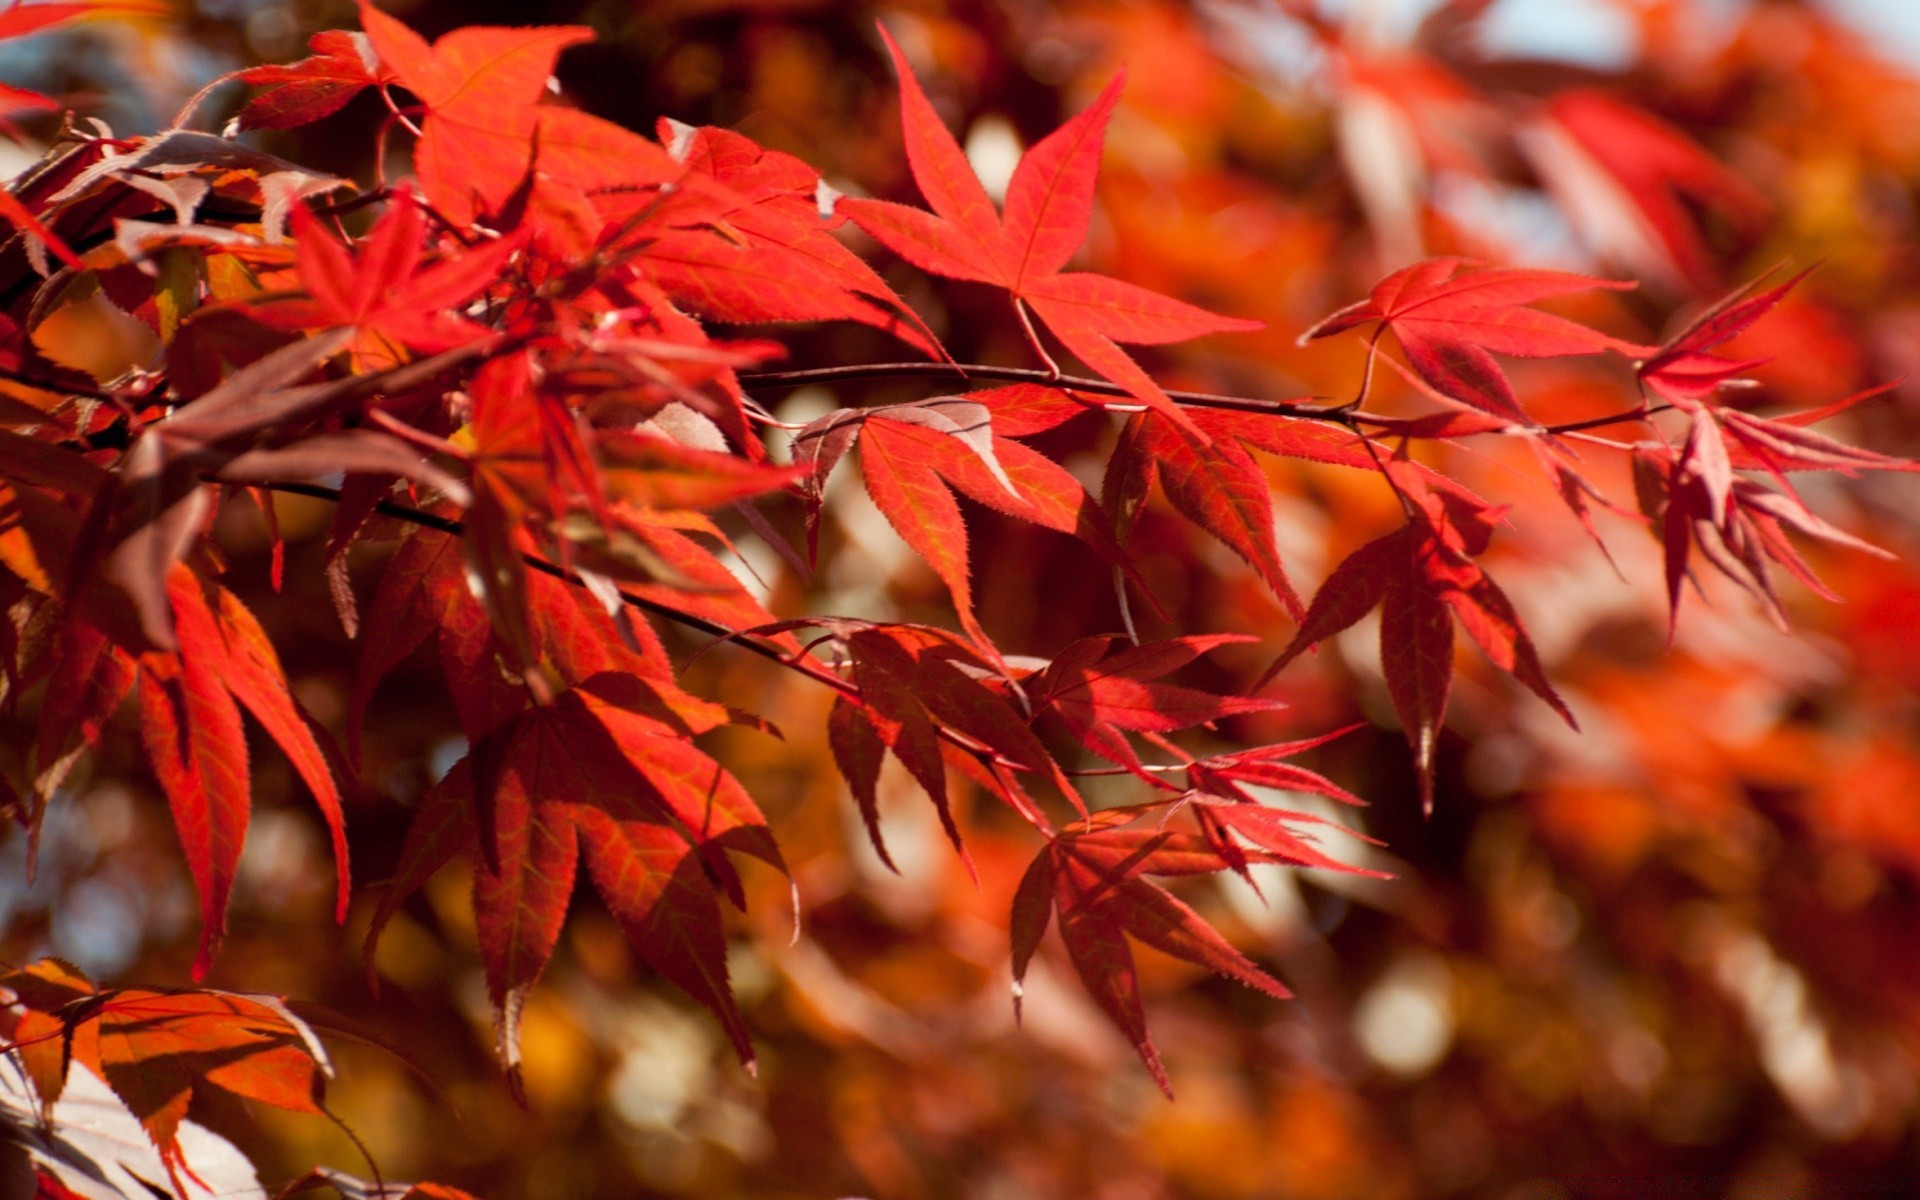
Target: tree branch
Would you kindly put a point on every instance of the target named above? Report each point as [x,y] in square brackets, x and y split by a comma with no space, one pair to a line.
[447,525]
[1338,414]
[1633,414]
[1073,383]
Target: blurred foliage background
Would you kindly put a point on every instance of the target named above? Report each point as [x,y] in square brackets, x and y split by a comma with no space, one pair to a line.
[1673,954]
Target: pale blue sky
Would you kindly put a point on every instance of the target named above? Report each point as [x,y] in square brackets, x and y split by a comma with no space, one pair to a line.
[1600,33]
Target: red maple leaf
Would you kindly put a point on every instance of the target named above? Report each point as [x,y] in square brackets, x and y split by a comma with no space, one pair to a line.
[342,65]
[487,146]
[1694,499]
[652,814]
[1684,369]
[1049,205]
[158,1051]
[190,703]
[1449,324]
[1424,578]
[192,729]
[1216,484]
[768,257]
[1092,879]
[1101,693]
[381,291]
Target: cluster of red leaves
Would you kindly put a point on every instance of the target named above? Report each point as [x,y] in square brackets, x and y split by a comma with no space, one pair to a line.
[155,1050]
[516,359]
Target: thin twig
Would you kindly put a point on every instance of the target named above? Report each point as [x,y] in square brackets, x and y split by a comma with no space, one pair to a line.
[1634,414]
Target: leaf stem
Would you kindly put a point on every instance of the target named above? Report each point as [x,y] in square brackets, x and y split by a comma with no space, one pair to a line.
[1033,338]
[386,96]
[1366,371]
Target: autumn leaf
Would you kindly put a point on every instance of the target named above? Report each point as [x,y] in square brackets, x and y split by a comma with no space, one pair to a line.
[1684,369]
[1424,579]
[1102,690]
[1450,324]
[771,257]
[158,1050]
[652,816]
[1092,881]
[342,65]
[480,86]
[1049,205]
[1218,486]
[487,147]
[381,292]
[1693,500]
[192,728]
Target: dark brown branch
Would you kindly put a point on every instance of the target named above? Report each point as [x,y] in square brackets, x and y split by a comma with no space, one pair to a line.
[1338,414]
[1633,414]
[447,525]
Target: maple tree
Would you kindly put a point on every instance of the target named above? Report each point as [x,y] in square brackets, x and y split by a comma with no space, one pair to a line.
[501,496]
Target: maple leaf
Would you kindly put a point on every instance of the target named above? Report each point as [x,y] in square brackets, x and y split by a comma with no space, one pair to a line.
[1216,484]
[1687,374]
[1092,880]
[90,1146]
[1229,814]
[480,86]
[1684,370]
[1101,692]
[1450,323]
[1424,579]
[488,147]
[909,490]
[915,456]
[934,701]
[157,1049]
[1025,409]
[909,455]
[380,291]
[1693,499]
[652,816]
[1049,204]
[342,65]
[191,724]
[770,257]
